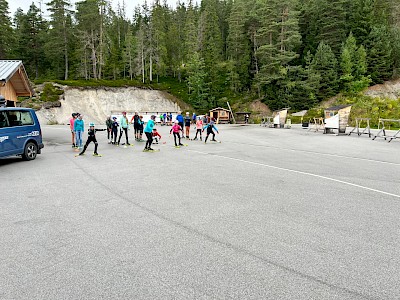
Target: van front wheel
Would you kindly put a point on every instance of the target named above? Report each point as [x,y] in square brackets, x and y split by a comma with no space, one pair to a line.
[30,151]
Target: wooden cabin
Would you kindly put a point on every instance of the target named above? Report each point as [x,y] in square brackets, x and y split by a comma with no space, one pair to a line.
[221,115]
[14,81]
[337,117]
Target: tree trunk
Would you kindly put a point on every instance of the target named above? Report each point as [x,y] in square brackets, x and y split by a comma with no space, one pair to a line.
[65,50]
[94,57]
[151,67]
[101,39]
[143,79]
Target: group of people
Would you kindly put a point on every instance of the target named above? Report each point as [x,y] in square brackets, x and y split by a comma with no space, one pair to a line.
[118,128]
[77,126]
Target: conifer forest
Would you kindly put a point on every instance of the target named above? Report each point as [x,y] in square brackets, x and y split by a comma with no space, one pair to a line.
[287,53]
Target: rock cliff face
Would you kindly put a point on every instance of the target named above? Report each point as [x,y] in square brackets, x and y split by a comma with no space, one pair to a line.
[388,90]
[97,103]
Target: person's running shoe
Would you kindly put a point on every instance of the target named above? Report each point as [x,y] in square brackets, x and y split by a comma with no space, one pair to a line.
[180,145]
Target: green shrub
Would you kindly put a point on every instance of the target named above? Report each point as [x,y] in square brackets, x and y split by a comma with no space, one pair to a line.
[374,108]
[314,113]
[50,93]
[297,120]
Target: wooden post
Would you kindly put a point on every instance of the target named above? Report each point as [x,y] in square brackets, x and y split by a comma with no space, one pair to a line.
[230,109]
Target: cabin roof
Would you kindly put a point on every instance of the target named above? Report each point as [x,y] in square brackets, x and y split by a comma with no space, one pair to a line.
[14,71]
[219,108]
[8,69]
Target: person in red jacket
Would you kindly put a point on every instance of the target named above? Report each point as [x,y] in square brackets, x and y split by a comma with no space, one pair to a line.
[156,136]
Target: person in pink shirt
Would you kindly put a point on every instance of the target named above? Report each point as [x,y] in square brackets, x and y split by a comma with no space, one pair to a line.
[199,128]
[176,129]
[71,126]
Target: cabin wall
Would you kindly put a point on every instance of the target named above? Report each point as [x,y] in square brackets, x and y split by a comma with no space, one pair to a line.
[8,92]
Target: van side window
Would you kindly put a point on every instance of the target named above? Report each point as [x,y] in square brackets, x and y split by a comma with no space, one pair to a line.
[19,118]
[3,120]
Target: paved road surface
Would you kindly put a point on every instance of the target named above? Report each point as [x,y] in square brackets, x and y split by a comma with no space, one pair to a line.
[266,214]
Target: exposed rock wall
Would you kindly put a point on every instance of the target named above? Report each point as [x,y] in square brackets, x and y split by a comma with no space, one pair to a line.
[97,103]
[389,90]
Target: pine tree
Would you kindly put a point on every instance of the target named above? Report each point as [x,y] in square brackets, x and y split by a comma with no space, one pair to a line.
[278,40]
[332,25]
[395,37]
[196,80]
[353,66]
[31,36]
[175,40]
[324,64]
[211,44]
[309,19]
[380,60]
[57,45]
[158,47]
[361,19]
[6,31]
[129,53]
[90,16]
[191,37]
[239,49]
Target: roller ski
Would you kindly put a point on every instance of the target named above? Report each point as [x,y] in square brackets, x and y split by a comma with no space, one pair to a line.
[151,150]
[181,145]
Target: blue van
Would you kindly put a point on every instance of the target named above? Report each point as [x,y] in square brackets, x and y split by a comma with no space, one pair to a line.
[20,133]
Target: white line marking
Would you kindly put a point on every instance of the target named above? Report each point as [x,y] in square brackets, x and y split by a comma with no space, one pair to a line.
[300,172]
[323,154]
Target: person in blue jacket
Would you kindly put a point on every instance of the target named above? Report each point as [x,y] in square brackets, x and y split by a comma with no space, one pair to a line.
[79,127]
[209,127]
[148,131]
[123,127]
[180,120]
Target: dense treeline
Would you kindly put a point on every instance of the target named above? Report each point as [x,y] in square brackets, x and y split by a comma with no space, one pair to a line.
[286,52]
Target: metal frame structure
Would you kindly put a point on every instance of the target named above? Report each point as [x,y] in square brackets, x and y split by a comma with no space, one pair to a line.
[366,130]
[382,132]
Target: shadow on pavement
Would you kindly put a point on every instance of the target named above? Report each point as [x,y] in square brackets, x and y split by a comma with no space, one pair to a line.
[10,160]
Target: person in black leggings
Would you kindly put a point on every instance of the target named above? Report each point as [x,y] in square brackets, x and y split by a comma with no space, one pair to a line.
[91,138]
[114,128]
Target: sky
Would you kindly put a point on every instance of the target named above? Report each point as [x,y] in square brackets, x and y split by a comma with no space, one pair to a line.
[130,5]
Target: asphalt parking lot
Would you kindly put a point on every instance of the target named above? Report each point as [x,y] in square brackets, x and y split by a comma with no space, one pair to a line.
[266,214]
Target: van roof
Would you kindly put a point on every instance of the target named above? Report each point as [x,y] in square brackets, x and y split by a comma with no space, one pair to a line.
[15,108]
